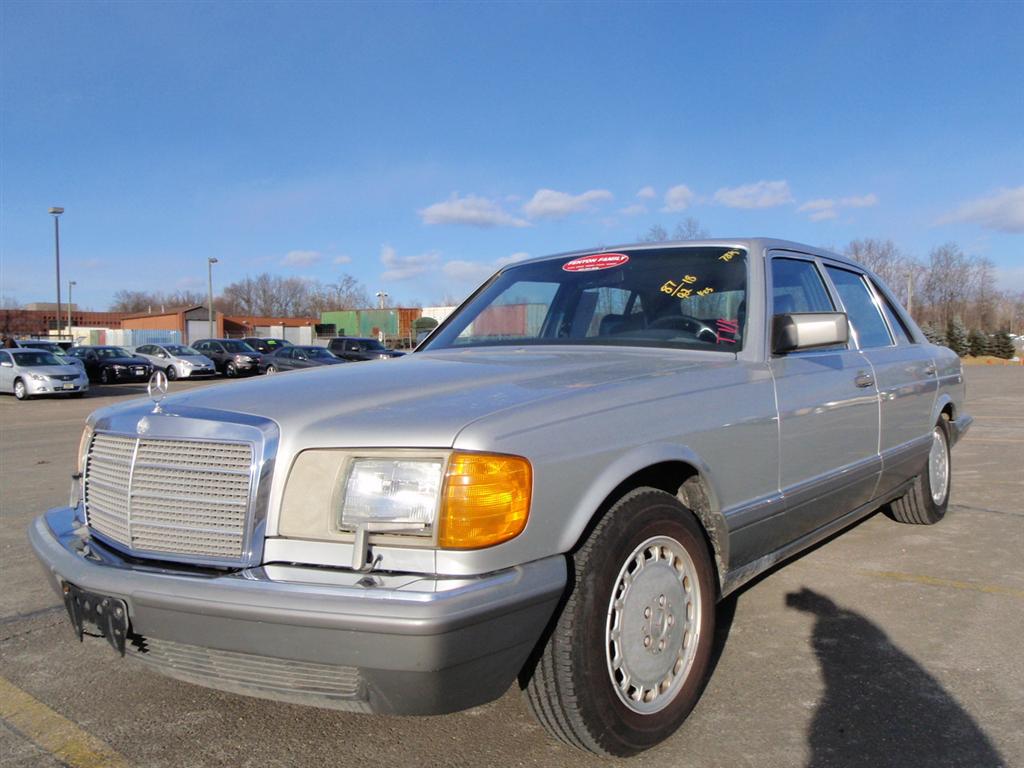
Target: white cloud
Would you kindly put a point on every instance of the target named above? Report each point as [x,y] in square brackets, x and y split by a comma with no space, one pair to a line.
[633,210]
[300,258]
[475,272]
[678,198]
[405,267]
[342,259]
[646,193]
[470,210]
[827,208]
[551,204]
[1002,211]
[763,194]
[864,201]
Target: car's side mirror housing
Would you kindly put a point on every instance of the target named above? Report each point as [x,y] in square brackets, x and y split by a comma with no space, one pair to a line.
[794,331]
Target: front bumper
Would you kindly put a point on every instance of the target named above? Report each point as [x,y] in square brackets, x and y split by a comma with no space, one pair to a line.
[50,387]
[191,373]
[391,643]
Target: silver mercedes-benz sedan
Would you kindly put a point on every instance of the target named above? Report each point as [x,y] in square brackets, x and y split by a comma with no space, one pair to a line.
[556,488]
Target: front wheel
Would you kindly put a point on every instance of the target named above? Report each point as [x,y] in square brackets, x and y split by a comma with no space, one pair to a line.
[928,498]
[629,655]
[20,390]
[172,373]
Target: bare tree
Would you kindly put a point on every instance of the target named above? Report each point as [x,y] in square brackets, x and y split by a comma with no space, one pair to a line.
[690,229]
[687,229]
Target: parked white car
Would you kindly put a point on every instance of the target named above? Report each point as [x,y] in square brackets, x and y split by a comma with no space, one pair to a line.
[30,372]
[177,360]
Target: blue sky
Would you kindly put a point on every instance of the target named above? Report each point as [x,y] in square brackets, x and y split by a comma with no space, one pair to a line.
[418,146]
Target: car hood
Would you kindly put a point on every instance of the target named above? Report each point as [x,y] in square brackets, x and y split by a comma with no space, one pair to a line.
[52,370]
[426,399]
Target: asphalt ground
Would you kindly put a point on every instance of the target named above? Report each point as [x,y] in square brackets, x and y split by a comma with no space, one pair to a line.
[889,645]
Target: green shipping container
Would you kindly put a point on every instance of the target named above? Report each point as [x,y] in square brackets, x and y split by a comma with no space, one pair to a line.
[345,322]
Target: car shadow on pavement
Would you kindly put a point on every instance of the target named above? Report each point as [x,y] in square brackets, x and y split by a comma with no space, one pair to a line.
[880,708]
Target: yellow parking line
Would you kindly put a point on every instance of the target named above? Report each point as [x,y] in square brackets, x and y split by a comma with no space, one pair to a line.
[55,734]
[932,581]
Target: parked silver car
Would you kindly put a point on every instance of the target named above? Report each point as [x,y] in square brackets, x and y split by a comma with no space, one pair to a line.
[29,372]
[177,360]
[53,347]
[556,487]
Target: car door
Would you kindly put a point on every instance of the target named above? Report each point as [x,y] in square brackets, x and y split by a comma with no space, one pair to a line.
[283,359]
[6,372]
[904,373]
[301,358]
[828,410]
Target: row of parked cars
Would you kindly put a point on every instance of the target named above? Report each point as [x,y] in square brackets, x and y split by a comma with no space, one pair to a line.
[40,367]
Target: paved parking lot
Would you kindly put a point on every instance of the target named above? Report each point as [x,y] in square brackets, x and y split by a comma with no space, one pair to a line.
[890,645]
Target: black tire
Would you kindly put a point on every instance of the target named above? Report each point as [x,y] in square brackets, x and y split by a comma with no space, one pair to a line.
[20,390]
[172,373]
[918,506]
[231,370]
[105,376]
[576,690]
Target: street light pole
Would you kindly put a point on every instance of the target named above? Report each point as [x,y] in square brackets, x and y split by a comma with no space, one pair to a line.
[381,298]
[209,308]
[71,284]
[56,212]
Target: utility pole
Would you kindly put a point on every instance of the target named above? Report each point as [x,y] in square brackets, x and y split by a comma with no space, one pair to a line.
[209,284]
[71,284]
[56,211]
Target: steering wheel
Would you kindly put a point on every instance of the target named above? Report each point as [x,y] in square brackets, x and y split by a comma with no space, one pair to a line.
[688,323]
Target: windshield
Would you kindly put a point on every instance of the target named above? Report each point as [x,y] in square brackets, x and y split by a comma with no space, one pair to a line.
[112,352]
[178,350]
[238,346]
[682,297]
[372,345]
[36,358]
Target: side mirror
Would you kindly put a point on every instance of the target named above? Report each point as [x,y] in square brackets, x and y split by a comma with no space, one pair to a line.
[792,332]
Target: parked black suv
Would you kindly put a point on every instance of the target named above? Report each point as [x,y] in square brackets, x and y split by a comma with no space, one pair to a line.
[109,365]
[266,346]
[355,349]
[232,357]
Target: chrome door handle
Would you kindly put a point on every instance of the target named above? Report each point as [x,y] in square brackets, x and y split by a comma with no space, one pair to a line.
[930,370]
[864,380]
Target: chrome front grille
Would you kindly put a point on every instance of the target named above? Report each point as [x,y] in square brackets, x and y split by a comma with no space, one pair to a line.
[169,496]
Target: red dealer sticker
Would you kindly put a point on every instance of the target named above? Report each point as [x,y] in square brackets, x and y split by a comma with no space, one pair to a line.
[595,262]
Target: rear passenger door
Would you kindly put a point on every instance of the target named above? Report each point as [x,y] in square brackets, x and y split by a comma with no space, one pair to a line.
[904,373]
[828,410]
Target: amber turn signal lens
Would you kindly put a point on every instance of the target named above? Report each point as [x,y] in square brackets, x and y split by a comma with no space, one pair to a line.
[486,500]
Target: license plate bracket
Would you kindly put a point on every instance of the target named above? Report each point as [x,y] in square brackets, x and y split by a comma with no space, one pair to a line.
[91,613]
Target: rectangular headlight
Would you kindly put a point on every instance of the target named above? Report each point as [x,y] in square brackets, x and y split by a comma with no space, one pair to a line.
[392,494]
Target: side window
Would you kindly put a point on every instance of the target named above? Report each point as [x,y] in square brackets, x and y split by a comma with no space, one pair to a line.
[351,346]
[147,350]
[5,357]
[215,347]
[865,315]
[797,287]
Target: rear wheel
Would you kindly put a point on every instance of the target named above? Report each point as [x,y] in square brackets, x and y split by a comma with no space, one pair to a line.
[629,655]
[231,370]
[105,377]
[271,369]
[20,390]
[172,372]
[928,498]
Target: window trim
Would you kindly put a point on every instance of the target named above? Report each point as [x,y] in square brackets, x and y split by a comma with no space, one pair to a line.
[855,335]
